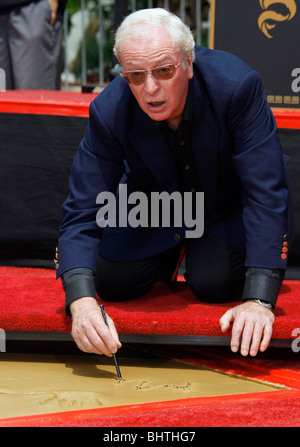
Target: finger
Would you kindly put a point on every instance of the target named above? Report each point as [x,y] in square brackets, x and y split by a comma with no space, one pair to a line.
[103,341]
[247,337]
[236,333]
[99,341]
[113,331]
[225,320]
[94,336]
[267,335]
[256,338]
[92,342]
[83,343]
[106,339]
[88,338]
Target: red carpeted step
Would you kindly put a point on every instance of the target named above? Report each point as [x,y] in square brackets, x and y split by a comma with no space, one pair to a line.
[32,300]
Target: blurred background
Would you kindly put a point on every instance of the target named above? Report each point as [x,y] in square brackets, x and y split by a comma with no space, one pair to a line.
[89,27]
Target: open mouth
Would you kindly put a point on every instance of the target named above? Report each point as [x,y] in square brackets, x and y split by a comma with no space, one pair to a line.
[156,104]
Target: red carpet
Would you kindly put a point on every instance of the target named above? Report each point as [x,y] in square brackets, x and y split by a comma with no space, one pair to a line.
[32,300]
[252,412]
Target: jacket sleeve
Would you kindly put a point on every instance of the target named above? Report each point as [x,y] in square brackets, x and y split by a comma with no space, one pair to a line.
[78,283]
[261,167]
[97,166]
[263,284]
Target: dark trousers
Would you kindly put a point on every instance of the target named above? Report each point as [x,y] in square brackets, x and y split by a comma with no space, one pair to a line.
[31,48]
[214,271]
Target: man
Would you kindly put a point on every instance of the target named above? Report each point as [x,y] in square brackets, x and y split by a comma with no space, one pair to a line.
[187,120]
[31,43]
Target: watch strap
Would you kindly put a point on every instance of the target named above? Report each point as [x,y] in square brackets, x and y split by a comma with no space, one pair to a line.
[264,303]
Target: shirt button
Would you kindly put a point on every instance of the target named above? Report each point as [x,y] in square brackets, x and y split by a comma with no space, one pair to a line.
[177,237]
[187,167]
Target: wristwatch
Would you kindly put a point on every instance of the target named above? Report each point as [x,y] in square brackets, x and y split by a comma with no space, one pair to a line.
[264,303]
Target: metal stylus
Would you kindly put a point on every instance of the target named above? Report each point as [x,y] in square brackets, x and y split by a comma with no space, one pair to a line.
[114,355]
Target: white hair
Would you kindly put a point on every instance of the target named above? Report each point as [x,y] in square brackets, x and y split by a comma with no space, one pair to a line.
[139,23]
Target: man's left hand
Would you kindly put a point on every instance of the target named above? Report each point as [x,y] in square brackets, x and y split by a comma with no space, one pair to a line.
[252,324]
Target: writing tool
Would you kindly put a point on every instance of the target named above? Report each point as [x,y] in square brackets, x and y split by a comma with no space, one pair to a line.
[114,355]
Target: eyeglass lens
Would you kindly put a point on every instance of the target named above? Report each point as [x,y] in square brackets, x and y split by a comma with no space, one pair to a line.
[138,77]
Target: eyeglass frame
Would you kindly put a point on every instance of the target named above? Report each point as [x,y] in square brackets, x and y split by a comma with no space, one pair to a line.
[146,72]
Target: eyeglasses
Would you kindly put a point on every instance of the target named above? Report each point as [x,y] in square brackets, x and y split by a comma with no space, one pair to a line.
[138,77]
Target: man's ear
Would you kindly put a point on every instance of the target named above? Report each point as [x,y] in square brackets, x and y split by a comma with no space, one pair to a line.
[189,63]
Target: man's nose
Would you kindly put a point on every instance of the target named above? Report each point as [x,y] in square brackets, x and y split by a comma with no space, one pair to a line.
[151,85]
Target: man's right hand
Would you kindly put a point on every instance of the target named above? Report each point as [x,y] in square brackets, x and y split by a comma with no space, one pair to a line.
[54,8]
[89,329]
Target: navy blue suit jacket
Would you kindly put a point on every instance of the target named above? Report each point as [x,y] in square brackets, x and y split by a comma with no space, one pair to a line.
[238,159]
